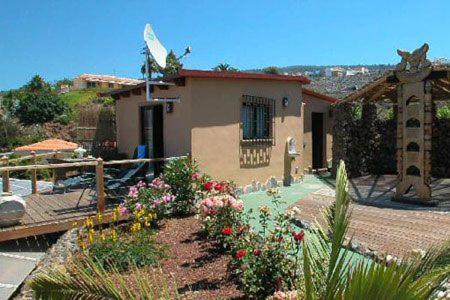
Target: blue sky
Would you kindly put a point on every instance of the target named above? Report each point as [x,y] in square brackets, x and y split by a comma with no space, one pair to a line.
[59,38]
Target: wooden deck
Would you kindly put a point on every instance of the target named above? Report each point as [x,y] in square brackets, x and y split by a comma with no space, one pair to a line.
[47,213]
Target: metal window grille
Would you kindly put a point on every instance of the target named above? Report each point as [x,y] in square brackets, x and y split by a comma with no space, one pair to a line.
[257,120]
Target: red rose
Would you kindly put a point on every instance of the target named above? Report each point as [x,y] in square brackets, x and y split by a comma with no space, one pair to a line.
[298,236]
[256,252]
[241,253]
[227,231]
[219,187]
[209,185]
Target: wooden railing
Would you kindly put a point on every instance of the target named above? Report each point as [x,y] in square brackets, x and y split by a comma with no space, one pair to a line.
[99,172]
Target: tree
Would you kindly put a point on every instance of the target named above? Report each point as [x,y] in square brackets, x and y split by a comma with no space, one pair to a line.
[272,70]
[37,84]
[39,107]
[225,67]
[173,66]
[36,102]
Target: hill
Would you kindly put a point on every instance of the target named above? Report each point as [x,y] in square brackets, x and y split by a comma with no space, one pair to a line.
[337,87]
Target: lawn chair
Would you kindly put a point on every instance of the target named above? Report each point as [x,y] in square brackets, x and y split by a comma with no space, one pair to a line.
[71,183]
[116,186]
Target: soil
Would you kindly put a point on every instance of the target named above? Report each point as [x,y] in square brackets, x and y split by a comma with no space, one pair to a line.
[194,265]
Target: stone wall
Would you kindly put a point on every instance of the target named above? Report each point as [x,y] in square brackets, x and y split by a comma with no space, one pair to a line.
[365,138]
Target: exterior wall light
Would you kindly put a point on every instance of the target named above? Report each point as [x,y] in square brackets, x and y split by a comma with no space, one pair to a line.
[285,102]
[169,107]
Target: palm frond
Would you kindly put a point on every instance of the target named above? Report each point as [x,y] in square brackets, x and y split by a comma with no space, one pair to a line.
[324,254]
[88,280]
[329,274]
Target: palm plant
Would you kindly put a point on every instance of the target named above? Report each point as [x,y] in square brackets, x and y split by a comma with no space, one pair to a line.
[329,273]
[87,279]
[224,67]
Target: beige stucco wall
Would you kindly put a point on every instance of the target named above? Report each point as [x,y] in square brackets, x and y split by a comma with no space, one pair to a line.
[313,104]
[176,124]
[207,124]
[216,129]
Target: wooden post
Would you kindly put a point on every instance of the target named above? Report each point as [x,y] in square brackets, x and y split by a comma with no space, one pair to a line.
[5,175]
[189,156]
[54,170]
[100,185]
[33,174]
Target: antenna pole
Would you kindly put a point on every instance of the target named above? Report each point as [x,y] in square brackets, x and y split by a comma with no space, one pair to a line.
[147,72]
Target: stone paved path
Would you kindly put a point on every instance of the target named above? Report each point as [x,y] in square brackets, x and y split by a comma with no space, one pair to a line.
[17,259]
[386,230]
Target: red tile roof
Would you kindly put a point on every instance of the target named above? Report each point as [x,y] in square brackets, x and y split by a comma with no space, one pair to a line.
[319,95]
[50,144]
[109,79]
[240,75]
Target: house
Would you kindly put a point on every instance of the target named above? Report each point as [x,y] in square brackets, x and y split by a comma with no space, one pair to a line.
[86,81]
[334,72]
[245,127]
[317,130]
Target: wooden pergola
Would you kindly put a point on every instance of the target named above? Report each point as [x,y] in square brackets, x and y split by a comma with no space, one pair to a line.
[412,87]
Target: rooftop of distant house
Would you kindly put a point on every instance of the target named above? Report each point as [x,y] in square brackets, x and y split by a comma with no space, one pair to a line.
[109,79]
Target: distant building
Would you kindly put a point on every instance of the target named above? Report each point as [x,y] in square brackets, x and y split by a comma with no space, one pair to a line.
[86,81]
[64,88]
[334,72]
[361,70]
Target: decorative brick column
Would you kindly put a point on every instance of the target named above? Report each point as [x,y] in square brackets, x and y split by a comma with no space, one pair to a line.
[414,126]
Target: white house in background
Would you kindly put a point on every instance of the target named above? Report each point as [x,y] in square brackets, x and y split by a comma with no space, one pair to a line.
[334,72]
[361,70]
[85,81]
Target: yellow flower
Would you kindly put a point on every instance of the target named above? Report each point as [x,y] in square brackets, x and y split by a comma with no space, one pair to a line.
[103,236]
[114,235]
[136,227]
[264,209]
[138,214]
[99,217]
[272,192]
[91,235]
[89,223]
[115,215]
[83,246]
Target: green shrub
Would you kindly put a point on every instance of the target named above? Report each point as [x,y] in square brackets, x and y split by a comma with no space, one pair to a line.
[267,260]
[63,119]
[139,249]
[155,197]
[443,112]
[179,175]
[221,214]
[39,107]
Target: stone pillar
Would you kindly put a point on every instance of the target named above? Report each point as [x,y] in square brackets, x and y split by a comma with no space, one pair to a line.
[414,126]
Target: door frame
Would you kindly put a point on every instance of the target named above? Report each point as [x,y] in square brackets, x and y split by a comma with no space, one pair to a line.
[157,150]
[318,155]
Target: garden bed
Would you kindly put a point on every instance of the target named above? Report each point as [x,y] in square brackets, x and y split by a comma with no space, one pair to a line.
[194,265]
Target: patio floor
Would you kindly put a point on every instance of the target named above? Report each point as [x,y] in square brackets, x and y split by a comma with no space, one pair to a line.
[377,222]
[393,231]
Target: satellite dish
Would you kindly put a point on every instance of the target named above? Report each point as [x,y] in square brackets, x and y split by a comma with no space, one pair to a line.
[154,46]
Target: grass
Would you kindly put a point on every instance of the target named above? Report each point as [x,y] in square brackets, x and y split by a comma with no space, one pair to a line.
[74,98]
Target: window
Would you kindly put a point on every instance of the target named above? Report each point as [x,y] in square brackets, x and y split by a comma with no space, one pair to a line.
[257,119]
[111,85]
[90,85]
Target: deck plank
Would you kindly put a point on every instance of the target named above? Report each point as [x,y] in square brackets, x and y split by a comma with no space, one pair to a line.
[47,213]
